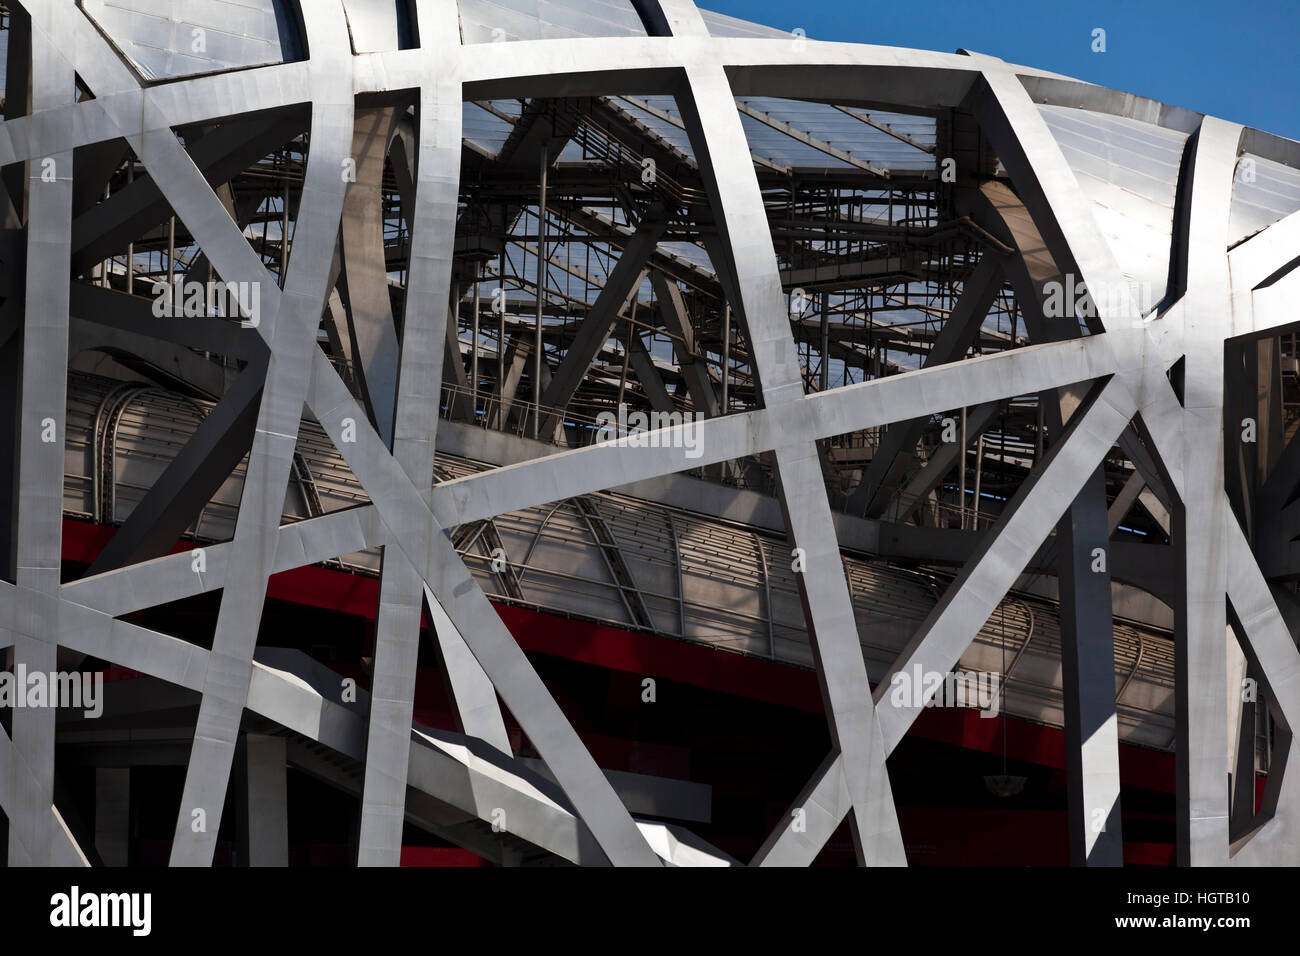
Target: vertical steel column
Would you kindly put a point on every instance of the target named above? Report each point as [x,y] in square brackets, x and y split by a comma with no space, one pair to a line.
[33,833]
[541,286]
[130,246]
[1088,680]
[473,361]
[284,234]
[171,255]
[1202,517]
[726,358]
[826,345]
[267,809]
[961,473]
[501,331]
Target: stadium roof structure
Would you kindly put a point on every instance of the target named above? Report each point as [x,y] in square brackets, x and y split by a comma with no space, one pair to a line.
[365,283]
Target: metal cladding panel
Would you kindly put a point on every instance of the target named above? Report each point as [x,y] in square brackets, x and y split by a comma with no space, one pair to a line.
[721,25]
[168,39]
[1129,171]
[375,25]
[485,21]
[1262,193]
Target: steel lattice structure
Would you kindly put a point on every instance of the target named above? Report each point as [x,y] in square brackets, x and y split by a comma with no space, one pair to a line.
[1154,380]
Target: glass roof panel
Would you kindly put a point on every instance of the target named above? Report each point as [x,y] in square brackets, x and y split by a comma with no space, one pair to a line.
[840,130]
[484,128]
[665,129]
[1262,193]
[484,21]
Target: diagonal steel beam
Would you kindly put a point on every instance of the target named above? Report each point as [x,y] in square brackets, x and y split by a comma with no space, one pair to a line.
[713,124]
[694,369]
[891,460]
[229,669]
[976,592]
[397,634]
[421,538]
[106,228]
[614,298]
[190,480]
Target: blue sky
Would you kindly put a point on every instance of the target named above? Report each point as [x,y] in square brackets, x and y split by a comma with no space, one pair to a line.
[1236,60]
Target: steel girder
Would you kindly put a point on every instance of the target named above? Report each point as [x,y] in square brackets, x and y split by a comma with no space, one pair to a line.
[1121,368]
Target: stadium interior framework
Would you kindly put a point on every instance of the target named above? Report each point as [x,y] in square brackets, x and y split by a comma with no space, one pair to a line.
[546,432]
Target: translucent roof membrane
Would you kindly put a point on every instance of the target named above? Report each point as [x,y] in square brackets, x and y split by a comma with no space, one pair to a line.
[688,251]
[839,130]
[167,39]
[1262,193]
[484,21]
[1129,170]
[825,123]
[484,128]
[720,25]
[573,152]
[671,131]
[784,150]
